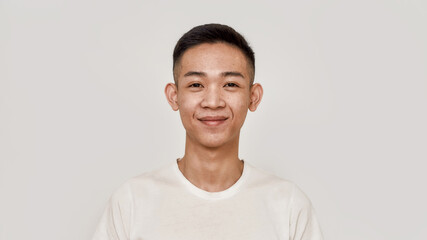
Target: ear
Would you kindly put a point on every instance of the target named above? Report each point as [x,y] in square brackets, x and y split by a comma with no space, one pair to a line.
[171,93]
[256,96]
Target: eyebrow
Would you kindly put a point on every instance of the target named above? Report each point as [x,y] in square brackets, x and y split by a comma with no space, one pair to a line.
[193,73]
[232,74]
[224,74]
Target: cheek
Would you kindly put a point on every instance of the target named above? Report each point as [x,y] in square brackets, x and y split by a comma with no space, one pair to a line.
[187,107]
[240,106]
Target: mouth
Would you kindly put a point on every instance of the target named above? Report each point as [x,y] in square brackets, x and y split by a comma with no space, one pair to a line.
[213,120]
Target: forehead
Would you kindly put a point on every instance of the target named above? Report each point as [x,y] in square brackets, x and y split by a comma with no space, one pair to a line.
[214,57]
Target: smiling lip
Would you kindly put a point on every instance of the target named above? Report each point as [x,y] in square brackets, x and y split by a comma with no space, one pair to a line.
[213,120]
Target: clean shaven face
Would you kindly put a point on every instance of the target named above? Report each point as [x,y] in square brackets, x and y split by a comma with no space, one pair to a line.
[214,93]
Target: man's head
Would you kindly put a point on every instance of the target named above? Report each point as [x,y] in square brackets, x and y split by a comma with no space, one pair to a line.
[212,33]
[213,88]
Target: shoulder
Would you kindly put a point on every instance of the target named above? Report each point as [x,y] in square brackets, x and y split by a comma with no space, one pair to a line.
[276,185]
[145,183]
[263,178]
[157,175]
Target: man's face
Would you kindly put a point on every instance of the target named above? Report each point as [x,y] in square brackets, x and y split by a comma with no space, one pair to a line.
[213,93]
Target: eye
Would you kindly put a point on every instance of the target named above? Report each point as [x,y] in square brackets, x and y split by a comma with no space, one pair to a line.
[195,85]
[231,85]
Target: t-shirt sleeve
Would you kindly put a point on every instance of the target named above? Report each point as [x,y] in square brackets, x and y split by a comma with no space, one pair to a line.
[303,224]
[116,220]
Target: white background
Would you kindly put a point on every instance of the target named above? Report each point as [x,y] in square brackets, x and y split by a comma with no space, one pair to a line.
[344,112]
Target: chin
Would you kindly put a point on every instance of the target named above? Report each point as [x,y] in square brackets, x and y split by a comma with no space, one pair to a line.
[213,144]
[215,141]
[212,140]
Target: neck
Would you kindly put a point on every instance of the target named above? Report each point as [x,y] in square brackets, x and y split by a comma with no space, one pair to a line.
[211,169]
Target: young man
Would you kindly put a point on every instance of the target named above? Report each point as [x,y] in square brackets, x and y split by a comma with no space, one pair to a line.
[210,193]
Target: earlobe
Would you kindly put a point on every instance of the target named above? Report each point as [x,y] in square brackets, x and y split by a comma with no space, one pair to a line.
[172,96]
[256,96]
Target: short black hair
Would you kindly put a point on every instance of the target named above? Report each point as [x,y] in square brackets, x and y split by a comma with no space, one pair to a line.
[213,33]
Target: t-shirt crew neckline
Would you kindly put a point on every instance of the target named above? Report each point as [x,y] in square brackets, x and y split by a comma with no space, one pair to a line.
[213,195]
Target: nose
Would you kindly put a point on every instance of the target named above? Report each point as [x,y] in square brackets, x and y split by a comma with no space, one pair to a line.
[213,98]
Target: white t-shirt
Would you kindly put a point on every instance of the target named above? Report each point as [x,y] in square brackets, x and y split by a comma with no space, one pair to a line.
[164,205]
